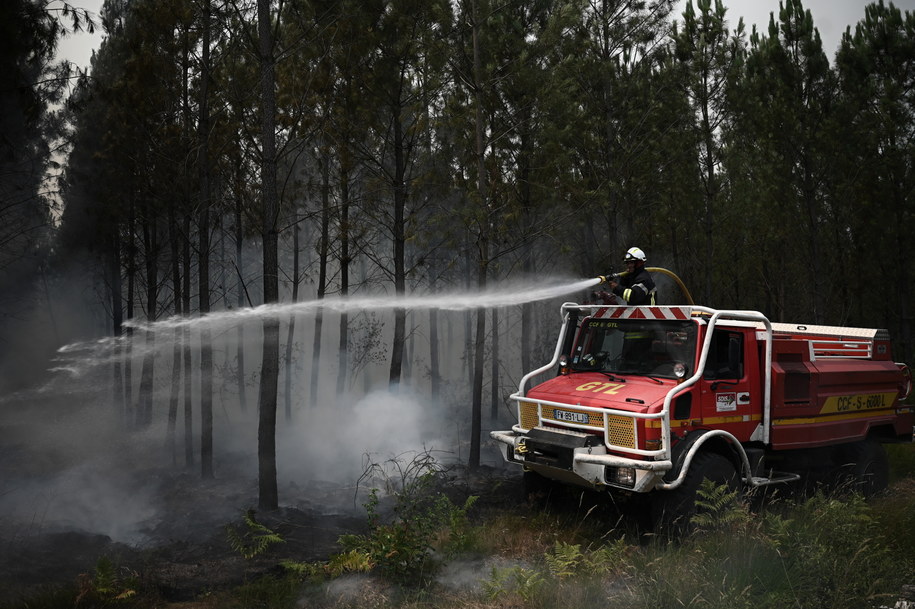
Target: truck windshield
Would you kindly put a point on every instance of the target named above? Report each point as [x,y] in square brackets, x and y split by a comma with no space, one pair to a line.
[636,346]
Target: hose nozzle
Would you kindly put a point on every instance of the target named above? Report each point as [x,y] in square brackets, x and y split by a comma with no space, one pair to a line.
[609,277]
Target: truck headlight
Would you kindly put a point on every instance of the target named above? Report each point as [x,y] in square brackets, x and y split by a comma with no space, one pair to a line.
[620,476]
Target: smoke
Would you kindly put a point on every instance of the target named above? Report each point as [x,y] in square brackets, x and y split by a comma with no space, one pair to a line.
[337,444]
[75,455]
[66,466]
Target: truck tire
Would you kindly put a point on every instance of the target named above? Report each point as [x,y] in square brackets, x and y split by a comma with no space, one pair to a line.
[672,511]
[865,467]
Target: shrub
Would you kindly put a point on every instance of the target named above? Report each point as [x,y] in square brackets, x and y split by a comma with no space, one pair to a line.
[401,547]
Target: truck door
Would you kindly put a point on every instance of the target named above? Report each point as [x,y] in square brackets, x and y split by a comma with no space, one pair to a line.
[729,391]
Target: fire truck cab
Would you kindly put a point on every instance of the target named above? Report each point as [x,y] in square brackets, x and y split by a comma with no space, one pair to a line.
[655,399]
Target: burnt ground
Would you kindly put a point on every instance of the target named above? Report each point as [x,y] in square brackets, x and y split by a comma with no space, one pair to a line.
[184,550]
[77,487]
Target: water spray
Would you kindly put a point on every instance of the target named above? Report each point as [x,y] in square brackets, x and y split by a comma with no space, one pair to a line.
[506,295]
[75,359]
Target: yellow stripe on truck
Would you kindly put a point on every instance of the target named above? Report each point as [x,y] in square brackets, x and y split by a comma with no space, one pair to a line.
[840,404]
[831,418]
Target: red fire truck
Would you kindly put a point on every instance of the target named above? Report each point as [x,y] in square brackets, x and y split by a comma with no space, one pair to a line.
[656,399]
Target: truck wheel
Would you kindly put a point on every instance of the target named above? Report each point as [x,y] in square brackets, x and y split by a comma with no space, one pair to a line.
[673,510]
[866,467]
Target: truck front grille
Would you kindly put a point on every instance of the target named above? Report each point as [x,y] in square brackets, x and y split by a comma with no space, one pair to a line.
[620,429]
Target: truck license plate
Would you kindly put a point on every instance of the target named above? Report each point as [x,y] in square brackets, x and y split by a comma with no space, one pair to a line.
[572,417]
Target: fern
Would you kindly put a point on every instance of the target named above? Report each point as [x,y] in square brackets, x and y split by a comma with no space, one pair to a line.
[353,561]
[565,560]
[105,585]
[254,540]
[526,583]
[529,583]
[608,558]
[717,507]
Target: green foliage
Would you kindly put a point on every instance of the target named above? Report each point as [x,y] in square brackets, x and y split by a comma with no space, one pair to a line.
[895,518]
[352,561]
[841,538]
[401,549]
[423,520]
[108,585]
[902,460]
[567,560]
[254,540]
[718,507]
[268,592]
[526,583]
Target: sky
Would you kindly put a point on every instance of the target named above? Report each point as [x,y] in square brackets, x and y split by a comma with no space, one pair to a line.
[831,17]
[78,47]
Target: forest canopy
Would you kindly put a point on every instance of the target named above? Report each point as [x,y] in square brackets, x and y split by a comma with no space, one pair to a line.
[224,154]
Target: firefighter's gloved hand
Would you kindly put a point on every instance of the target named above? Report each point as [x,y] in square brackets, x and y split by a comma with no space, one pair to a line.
[604,297]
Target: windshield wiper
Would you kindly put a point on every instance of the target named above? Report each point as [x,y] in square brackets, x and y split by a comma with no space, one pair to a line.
[637,373]
[612,377]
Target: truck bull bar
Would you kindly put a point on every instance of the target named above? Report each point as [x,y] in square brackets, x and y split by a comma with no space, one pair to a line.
[611,421]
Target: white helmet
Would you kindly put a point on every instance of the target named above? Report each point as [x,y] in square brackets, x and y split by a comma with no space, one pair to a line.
[634,254]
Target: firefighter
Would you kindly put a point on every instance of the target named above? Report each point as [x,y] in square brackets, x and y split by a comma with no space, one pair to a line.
[636,286]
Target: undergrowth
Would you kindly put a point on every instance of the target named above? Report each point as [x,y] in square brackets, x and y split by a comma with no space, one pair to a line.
[824,550]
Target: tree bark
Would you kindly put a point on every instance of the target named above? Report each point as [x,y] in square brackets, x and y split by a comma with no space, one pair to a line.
[397,233]
[175,389]
[290,336]
[266,432]
[323,243]
[343,359]
[206,348]
[482,250]
[150,246]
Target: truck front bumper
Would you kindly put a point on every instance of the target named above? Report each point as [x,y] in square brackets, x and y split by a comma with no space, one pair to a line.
[578,458]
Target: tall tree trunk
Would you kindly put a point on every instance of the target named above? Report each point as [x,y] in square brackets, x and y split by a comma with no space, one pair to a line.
[117,325]
[129,411]
[266,431]
[240,303]
[344,276]
[482,250]
[323,243]
[206,348]
[397,234]
[290,336]
[494,371]
[435,379]
[150,245]
[183,295]
[175,389]
[188,365]
[527,262]
[239,274]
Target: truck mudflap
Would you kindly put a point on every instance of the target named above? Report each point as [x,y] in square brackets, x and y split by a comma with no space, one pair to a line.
[556,453]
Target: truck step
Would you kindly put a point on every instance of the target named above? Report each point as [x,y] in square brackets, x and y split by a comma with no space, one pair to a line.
[774,478]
